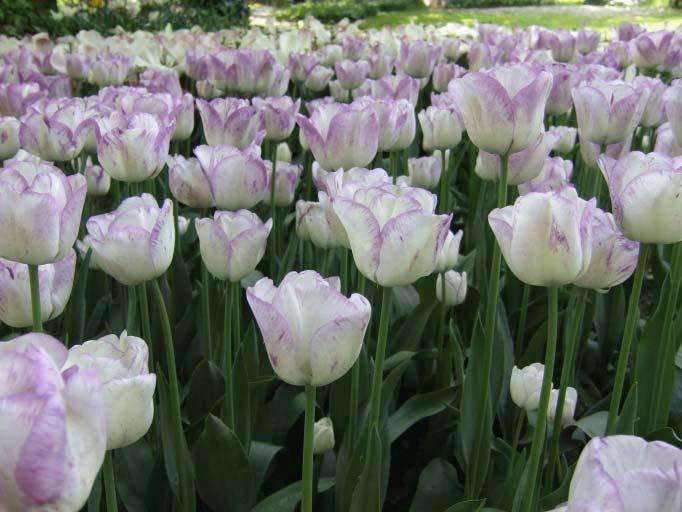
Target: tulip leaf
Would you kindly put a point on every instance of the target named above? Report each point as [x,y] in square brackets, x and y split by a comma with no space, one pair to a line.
[286,499]
[628,416]
[593,425]
[133,466]
[467,506]
[280,414]
[261,456]
[242,400]
[95,498]
[408,332]
[367,494]
[223,474]
[77,306]
[206,389]
[560,494]
[437,488]
[667,435]
[416,408]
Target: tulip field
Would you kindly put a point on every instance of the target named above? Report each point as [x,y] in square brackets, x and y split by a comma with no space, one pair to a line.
[321,268]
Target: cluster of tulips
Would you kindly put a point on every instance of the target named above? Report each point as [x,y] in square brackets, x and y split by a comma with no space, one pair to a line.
[341,164]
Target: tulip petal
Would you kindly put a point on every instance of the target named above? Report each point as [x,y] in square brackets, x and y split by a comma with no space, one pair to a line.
[366,240]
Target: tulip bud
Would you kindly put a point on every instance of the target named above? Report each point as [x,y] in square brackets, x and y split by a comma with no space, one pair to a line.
[318,223]
[396,87]
[279,116]
[443,73]
[183,225]
[231,121]
[418,58]
[283,153]
[665,142]
[183,110]
[97,180]
[298,319]
[654,111]
[449,253]
[9,137]
[121,363]
[425,171]
[441,128]
[318,78]
[337,92]
[286,180]
[78,65]
[565,141]
[568,410]
[526,386]
[351,74]
[672,100]
[455,287]
[323,438]
[649,49]
[555,174]
[109,69]
[380,65]
[134,243]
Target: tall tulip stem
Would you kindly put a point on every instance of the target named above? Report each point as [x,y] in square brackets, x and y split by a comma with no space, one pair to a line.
[355,377]
[145,320]
[628,335]
[444,362]
[308,436]
[473,488]
[541,423]
[273,207]
[228,403]
[444,182]
[375,397]
[206,309]
[110,483]
[34,281]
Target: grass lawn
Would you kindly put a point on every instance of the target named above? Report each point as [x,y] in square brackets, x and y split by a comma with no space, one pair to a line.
[565,15]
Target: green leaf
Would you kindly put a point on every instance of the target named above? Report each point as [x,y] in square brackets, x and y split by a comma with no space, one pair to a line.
[667,435]
[628,416]
[367,495]
[206,390]
[133,466]
[397,358]
[260,458]
[593,425]
[437,487]
[416,408]
[286,499]
[467,506]
[242,400]
[224,479]
[77,306]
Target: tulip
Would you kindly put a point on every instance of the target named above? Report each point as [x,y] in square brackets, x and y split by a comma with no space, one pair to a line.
[301,65]
[51,130]
[418,58]
[121,364]
[451,48]
[626,473]
[644,194]
[162,80]
[665,141]
[546,238]
[525,386]
[283,153]
[380,65]
[654,112]
[235,178]
[9,137]
[55,279]
[109,69]
[587,40]
[425,171]
[338,92]
[246,71]
[286,181]
[443,73]
[318,78]
[53,429]
[351,74]
[299,317]
[232,243]
[341,136]
[565,141]
[650,48]
[97,180]
[134,243]
[279,116]
[455,288]
[133,148]
[207,90]
[556,173]
[318,223]
[323,439]
[449,254]
[40,211]
[672,101]
[187,182]
[15,98]
[441,128]
[78,66]
[562,43]
[231,121]
[183,111]
[568,410]
[479,56]
[396,122]
[563,80]
[345,183]
[628,31]
[608,112]
[503,109]
[394,235]
[396,87]
[354,48]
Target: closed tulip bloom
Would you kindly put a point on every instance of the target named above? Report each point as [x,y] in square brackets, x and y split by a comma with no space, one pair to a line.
[441,128]
[188,183]
[564,79]
[53,427]
[231,121]
[183,111]
[15,98]
[449,254]
[351,74]
[556,173]
[133,148]
[283,153]
[443,73]
[626,474]
[97,180]
[396,87]
[345,183]
[341,136]
[608,112]
[526,385]
[654,111]
[134,243]
[354,48]
[338,92]
[418,58]
[301,65]
[672,101]
[565,141]
[235,178]
[317,222]
[40,212]
[313,334]
[503,110]
[380,65]
[587,40]
[9,137]
[77,65]
[425,171]
[396,122]
[644,194]
[650,48]
[51,130]
[318,78]
[455,288]
[628,31]
[287,177]
[279,116]
[522,166]
[665,141]
[479,56]
[546,238]
[570,401]
[451,48]
[323,436]
[162,80]
[394,234]
[109,69]
[562,43]
[121,363]
[56,280]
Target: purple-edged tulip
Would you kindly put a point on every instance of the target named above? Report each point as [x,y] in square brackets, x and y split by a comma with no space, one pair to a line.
[563,81]
[626,474]
[555,174]
[645,196]
[587,40]
[317,222]
[546,238]
[15,98]
[188,183]
[394,234]
[650,48]
[183,111]
[56,280]
[313,334]
[522,166]
[351,74]
[279,116]
[121,364]
[52,130]
[628,31]
[396,122]
[455,288]
[162,80]
[338,92]
[441,128]
[53,427]
[330,54]
[287,176]
[451,48]
[380,65]
[672,101]
[235,178]
[565,141]
[449,254]
[479,56]
[654,111]
[354,48]
[97,179]
[301,65]
[608,112]
[396,87]
[135,242]
[342,183]
[9,137]
[318,78]
[231,121]
[207,90]
[503,110]
[418,58]
[109,69]
[40,212]
[425,171]
[443,73]
[341,136]
[665,141]
[77,65]
[561,42]
[232,243]
[133,148]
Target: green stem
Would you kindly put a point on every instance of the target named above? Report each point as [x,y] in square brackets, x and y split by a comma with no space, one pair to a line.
[628,335]
[34,281]
[237,316]
[355,379]
[570,351]
[205,283]
[377,381]
[444,179]
[393,163]
[523,315]
[132,310]
[345,284]
[228,402]
[146,326]
[473,488]
[443,362]
[541,424]
[109,483]
[273,208]
[515,446]
[308,435]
